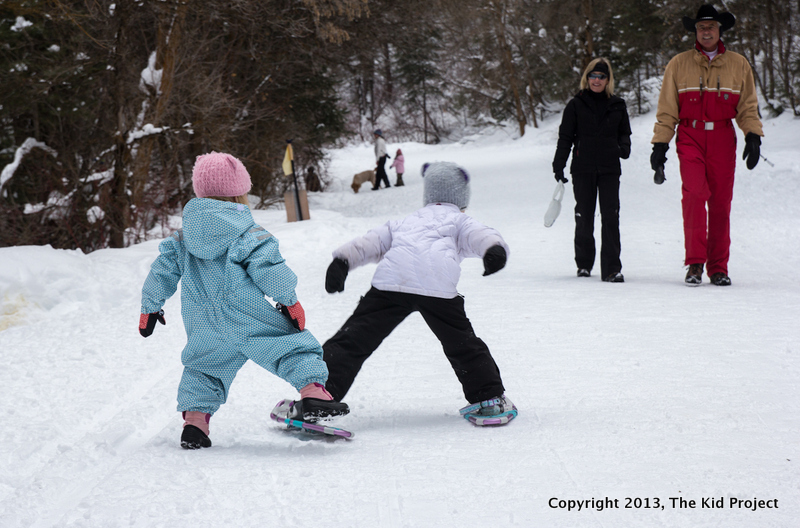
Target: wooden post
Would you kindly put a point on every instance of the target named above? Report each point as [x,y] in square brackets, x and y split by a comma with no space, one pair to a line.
[296,201]
[292,200]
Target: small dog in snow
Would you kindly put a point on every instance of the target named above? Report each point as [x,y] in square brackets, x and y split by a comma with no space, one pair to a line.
[361,178]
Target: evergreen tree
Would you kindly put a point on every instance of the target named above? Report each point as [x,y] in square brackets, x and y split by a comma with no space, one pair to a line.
[420,77]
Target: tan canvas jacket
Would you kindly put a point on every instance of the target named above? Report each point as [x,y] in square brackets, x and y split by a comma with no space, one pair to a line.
[695,88]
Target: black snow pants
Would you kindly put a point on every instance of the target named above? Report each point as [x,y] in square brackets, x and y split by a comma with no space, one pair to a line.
[380,173]
[379,312]
[587,187]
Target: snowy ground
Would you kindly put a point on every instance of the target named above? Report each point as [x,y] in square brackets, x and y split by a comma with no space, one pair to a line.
[647,389]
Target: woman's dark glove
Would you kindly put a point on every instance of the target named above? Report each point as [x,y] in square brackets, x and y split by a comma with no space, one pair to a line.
[337,273]
[494,260]
[625,151]
[560,176]
[752,149]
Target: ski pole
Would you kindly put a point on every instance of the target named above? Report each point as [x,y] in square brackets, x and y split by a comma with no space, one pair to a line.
[765,159]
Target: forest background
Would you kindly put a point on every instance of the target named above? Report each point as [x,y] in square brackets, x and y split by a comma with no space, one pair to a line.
[104,105]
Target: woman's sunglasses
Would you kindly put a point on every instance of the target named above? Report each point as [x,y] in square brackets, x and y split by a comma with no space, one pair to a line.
[601,76]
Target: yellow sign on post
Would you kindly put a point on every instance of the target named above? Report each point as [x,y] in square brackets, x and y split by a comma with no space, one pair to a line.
[288,170]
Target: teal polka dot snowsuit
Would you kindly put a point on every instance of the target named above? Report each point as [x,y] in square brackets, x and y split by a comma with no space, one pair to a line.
[227,264]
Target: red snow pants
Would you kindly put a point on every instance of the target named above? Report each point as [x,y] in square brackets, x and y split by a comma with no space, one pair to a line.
[707,159]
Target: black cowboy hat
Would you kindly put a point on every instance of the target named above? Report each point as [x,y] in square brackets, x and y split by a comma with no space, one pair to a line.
[707,12]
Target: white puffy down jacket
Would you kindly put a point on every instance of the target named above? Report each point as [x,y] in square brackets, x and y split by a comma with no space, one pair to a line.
[422,253]
[380,148]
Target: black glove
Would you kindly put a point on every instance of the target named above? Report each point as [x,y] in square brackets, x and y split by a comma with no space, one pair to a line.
[659,177]
[147,322]
[494,260]
[657,160]
[659,156]
[337,273]
[560,176]
[752,149]
[625,151]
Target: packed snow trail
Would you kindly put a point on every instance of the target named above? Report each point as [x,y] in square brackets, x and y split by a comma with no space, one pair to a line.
[646,389]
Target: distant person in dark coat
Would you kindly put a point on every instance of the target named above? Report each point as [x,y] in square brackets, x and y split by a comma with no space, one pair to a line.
[312,181]
[381,155]
[596,124]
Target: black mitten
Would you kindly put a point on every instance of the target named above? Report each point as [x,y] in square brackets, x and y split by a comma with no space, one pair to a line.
[659,156]
[494,260]
[659,177]
[560,176]
[657,160]
[752,149]
[337,273]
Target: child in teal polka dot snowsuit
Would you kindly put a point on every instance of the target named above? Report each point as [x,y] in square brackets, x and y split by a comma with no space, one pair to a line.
[227,264]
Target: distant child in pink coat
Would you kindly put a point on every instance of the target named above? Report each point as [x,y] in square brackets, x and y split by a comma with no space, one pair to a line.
[399,166]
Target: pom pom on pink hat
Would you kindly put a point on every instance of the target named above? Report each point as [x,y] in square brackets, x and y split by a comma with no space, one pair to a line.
[217,174]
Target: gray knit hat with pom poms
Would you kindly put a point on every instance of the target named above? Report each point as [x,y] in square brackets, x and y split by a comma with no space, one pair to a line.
[445,182]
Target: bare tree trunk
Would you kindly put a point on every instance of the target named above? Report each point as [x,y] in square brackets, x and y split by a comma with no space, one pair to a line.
[361,102]
[169,40]
[508,64]
[387,71]
[770,60]
[638,90]
[367,71]
[786,34]
[371,100]
[424,111]
[756,75]
[118,213]
[588,13]
[533,102]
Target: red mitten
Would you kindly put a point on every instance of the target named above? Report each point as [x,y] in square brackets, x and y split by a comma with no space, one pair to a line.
[295,314]
[147,322]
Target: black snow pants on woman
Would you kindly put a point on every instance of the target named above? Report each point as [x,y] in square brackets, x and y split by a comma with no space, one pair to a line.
[587,187]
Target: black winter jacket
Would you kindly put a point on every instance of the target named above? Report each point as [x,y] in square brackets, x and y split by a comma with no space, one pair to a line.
[599,141]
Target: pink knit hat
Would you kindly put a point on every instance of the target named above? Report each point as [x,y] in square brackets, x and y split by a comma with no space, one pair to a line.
[218,174]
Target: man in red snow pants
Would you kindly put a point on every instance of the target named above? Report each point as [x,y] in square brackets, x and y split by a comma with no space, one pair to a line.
[703,90]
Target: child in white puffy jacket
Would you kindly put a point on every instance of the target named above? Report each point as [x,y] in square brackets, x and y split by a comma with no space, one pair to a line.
[419,265]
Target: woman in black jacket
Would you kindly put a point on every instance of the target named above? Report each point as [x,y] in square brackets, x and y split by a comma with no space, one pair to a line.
[596,122]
